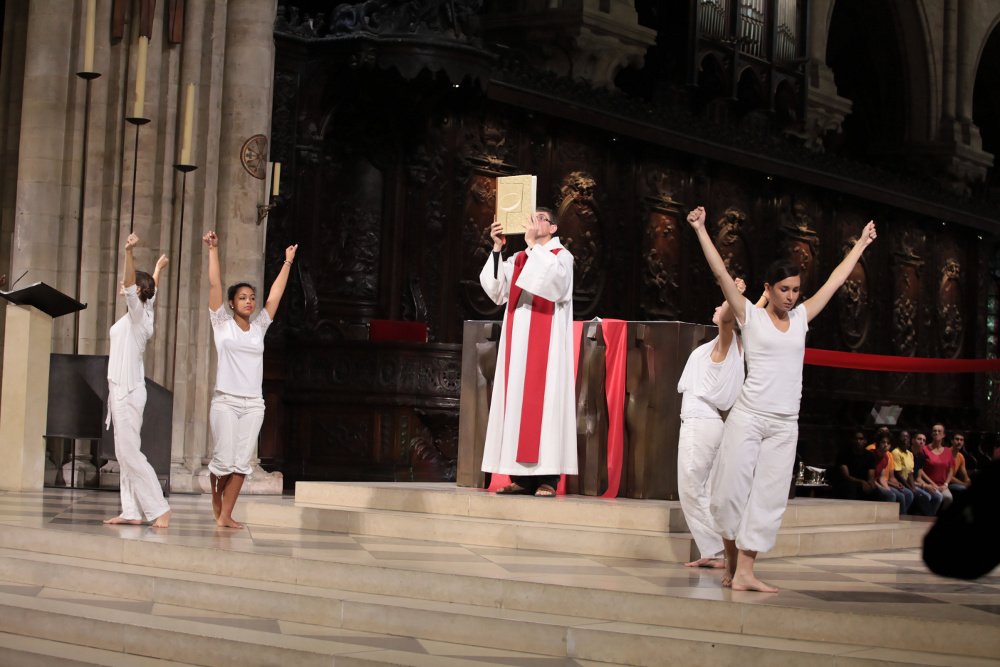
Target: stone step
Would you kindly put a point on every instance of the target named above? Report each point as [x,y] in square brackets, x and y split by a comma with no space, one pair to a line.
[481,610]
[187,633]
[671,547]
[619,513]
[24,651]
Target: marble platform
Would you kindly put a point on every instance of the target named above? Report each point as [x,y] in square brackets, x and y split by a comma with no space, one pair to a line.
[619,528]
[76,592]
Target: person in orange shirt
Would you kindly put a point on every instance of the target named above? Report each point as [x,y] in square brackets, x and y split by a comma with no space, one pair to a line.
[959,480]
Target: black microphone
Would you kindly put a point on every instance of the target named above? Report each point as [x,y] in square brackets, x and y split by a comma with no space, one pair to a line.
[11,288]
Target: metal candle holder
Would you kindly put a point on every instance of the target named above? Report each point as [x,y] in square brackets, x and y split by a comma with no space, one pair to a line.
[87,77]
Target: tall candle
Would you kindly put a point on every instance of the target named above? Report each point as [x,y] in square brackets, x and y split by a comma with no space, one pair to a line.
[276,179]
[140,78]
[188,124]
[89,30]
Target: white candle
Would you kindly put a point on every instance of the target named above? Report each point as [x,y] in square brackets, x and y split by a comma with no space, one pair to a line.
[188,124]
[89,30]
[276,179]
[140,78]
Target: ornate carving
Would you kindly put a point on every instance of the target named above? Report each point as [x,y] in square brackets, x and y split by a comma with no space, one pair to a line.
[951,325]
[362,369]
[853,303]
[906,291]
[661,245]
[801,242]
[579,230]
[731,243]
[253,156]
[453,19]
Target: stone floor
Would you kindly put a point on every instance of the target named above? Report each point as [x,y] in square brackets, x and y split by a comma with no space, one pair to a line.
[892,583]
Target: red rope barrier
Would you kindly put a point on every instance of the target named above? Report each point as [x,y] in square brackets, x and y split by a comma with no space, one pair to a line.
[879,362]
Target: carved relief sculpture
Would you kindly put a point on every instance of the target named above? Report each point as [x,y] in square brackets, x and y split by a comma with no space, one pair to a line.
[486,151]
[801,242]
[661,247]
[906,292]
[853,303]
[951,328]
[579,231]
[731,243]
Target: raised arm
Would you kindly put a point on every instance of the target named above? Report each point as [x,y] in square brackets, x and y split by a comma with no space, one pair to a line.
[278,286]
[726,327]
[128,279]
[161,264]
[696,218]
[817,302]
[211,240]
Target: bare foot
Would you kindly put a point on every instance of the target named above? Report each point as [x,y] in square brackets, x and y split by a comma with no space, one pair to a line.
[727,580]
[227,523]
[545,491]
[751,583]
[714,563]
[119,520]
[163,520]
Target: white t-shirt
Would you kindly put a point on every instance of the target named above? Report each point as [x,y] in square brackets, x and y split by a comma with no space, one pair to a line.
[129,336]
[240,353]
[773,387]
[708,387]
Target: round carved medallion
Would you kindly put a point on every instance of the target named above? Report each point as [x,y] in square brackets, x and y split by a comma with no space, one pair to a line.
[253,155]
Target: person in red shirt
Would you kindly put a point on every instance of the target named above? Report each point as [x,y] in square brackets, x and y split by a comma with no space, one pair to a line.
[938,462]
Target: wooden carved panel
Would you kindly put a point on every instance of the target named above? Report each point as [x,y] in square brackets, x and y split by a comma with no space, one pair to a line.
[580,231]
[908,262]
[853,302]
[800,240]
[951,325]
[661,246]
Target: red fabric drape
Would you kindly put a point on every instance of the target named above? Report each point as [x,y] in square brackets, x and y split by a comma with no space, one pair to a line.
[614,388]
[881,362]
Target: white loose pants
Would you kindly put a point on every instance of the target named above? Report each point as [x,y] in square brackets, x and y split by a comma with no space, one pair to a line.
[141,494]
[697,447]
[235,422]
[751,478]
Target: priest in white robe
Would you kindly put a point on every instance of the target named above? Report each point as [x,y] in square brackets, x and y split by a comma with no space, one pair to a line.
[531,432]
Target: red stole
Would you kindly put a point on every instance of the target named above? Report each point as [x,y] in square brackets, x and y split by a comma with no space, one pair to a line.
[536,364]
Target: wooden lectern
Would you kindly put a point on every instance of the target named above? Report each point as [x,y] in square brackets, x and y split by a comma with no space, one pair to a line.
[27,345]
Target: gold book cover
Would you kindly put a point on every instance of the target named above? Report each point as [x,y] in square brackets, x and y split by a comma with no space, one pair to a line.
[516,201]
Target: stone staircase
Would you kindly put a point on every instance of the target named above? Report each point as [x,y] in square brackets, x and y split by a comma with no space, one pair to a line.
[79,598]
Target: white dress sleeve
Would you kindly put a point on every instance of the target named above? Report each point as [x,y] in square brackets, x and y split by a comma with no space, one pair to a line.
[497,287]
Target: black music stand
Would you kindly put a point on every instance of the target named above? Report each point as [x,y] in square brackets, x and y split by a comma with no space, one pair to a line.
[45,298]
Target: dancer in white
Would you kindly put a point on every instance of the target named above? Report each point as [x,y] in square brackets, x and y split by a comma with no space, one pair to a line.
[237,411]
[531,431]
[141,494]
[753,471]
[710,383]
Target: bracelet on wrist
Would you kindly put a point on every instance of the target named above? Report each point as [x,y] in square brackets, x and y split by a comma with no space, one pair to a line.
[288,263]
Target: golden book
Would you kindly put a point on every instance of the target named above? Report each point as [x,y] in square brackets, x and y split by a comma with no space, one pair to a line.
[516,202]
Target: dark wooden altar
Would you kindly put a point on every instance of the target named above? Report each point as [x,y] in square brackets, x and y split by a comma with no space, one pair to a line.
[655,356]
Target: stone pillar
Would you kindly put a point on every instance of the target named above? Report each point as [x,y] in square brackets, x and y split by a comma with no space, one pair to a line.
[246,111]
[44,240]
[825,109]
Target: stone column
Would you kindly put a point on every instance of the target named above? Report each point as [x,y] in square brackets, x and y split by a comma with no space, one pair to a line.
[825,109]
[246,111]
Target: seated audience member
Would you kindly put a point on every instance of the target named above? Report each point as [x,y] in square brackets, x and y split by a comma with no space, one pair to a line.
[919,445]
[854,472]
[959,480]
[924,501]
[963,543]
[938,461]
[885,478]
